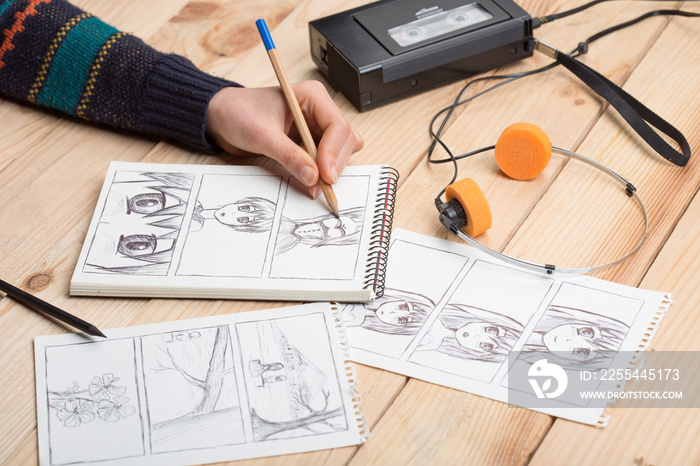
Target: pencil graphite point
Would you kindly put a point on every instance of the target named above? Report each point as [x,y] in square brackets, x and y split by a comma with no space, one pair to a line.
[95,332]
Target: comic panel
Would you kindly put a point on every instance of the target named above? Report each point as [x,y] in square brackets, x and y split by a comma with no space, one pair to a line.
[417,278]
[312,243]
[482,321]
[574,334]
[292,384]
[576,327]
[231,226]
[139,223]
[93,402]
[191,390]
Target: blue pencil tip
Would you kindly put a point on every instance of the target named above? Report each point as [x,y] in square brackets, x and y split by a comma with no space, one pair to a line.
[265,34]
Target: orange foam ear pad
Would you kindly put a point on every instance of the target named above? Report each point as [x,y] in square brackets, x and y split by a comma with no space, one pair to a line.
[522,151]
[474,203]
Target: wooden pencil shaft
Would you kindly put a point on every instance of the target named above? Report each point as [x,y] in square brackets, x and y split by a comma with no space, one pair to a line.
[304,131]
[293,104]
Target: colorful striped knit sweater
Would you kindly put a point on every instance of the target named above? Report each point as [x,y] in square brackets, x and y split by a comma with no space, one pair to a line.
[55,55]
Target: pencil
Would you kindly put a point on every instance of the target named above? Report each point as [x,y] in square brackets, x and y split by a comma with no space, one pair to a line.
[43,307]
[298,116]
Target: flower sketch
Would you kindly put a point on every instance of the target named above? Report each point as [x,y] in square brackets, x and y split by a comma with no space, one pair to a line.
[103,399]
[103,388]
[76,412]
[113,410]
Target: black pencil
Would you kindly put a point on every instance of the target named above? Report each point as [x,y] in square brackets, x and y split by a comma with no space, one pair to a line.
[43,307]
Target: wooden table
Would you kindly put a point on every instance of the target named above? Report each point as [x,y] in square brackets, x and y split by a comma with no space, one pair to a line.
[52,168]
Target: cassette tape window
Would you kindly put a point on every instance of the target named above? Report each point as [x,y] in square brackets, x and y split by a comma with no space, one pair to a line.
[435,21]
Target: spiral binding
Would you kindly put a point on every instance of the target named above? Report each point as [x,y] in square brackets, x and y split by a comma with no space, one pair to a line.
[375,270]
[349,370]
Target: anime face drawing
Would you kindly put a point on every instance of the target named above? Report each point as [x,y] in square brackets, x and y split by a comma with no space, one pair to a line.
[468,332]
[397,312]
[579,337]
[480,336]
[250,214]
[256,215]
[578,340]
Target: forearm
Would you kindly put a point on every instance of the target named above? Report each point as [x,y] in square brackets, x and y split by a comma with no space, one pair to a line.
[57,56]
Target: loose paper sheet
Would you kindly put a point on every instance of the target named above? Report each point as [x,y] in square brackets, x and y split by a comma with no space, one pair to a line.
[451,315]
[245,385]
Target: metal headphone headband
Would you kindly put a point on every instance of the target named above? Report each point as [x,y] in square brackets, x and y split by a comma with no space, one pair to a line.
[447,220]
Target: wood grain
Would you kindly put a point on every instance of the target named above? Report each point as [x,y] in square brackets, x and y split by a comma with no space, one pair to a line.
[52,167]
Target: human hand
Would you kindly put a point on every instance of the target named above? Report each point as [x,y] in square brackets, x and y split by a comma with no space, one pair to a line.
[258,120]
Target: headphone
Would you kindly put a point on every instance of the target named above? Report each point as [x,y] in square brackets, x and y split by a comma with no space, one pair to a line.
[522,152]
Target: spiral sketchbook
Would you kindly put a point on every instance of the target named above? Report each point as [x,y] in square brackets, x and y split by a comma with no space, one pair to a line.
[204,390]
[219,231]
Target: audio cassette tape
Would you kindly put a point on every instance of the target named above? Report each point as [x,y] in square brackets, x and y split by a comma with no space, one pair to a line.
[391,49]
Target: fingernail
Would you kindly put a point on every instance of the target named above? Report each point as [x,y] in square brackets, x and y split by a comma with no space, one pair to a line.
[334,174]
[315,191]
[307,175]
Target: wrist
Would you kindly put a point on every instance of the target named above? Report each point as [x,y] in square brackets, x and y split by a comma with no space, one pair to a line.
[176,102]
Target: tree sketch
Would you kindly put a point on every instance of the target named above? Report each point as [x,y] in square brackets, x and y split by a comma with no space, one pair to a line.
[225,388]
[211,385]
[298,402]
[266,429]
[193,372]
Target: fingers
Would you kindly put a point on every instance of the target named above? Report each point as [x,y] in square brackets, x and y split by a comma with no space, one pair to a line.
[294,158]
[338,139]
[257,120]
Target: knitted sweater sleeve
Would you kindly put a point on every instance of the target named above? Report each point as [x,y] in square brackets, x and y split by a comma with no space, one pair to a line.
[57,56]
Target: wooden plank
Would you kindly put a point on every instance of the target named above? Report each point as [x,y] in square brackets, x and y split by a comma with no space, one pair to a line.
[142,19]
[218,33]
[653,436]
[648,436]
[612,226]
[429,424]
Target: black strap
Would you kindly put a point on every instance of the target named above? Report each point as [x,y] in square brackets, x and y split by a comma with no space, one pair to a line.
[637,114]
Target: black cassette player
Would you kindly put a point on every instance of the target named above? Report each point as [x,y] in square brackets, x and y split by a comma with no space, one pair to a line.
[391,49]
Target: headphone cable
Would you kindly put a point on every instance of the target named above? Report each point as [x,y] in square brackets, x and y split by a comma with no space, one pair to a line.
[581,49]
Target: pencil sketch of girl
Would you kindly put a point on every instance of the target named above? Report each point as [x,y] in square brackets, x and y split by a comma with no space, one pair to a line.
[324,230]
[397,312]
[250,214]
[468,332]
[579,338]
[256,215]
